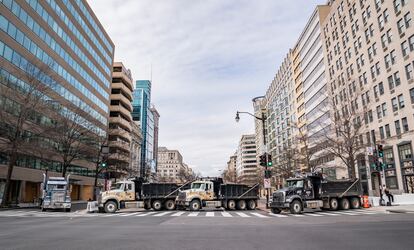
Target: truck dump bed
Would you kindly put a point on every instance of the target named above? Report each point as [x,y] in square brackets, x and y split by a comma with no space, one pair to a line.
[159,190]
[338,188]
[234,191]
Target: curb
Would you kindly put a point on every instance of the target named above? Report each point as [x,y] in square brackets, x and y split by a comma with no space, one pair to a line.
[399,211]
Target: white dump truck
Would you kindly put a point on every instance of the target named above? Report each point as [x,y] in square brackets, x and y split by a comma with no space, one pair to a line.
[56,193]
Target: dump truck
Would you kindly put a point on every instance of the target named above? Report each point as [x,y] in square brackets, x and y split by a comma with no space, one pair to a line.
[213,193]
[134,193]
[55,193]
[313,191]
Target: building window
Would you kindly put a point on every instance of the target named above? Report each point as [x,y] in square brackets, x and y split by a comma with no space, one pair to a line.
[397,127]
[411,42]
[404,48]
[405,124]
[405,152]
[409,71]
[394,104]
[387,130]
[412,95]
[401,101]
[381,130]
[384,109]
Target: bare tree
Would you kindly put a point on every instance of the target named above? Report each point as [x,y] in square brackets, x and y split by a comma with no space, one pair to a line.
[20,119]
[185,176]
[343,138]
[71,134]
[229,176]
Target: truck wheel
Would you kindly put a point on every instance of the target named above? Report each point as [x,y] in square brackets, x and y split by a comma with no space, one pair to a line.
[355,203]
[296,207]
[251,205]
[111,207]
[344,204]
[170,204]
[195,205]
[43,209]
[157,205]
[276,210]
[67,210]
[231,205]
[333,204]
[241,205]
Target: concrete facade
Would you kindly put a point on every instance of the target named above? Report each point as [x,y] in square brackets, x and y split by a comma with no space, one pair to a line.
[171,167]
[246,163]
[39,33]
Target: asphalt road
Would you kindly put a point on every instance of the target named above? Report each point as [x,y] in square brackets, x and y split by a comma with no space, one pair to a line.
[72,231]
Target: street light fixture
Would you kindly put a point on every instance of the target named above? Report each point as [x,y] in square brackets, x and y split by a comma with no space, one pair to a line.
[237,117]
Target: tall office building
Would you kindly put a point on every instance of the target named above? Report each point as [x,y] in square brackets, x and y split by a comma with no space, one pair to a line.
[369,46]
[67,37]
[246,163]
[147,119]
[156,117]
[120,128]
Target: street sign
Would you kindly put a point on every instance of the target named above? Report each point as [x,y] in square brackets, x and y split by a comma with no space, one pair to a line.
[266,183]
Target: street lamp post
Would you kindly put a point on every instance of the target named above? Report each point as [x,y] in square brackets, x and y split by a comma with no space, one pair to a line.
[263,120]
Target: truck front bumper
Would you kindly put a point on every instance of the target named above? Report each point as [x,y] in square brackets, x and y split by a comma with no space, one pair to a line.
[55,205]
[278,204]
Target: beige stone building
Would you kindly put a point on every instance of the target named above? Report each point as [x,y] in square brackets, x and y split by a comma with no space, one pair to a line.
[120,121]
[369,47]
[230,173]
[135,149]
[171,167]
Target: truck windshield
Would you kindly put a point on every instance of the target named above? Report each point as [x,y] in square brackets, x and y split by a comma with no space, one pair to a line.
[295,183]
[118,186]
[55,187]
[197,185]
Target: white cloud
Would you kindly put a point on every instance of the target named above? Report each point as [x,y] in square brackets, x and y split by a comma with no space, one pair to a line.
[209,59]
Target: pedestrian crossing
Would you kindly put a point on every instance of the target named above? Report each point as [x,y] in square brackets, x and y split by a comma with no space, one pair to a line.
[190,214]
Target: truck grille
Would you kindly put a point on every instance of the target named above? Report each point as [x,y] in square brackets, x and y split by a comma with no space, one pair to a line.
[279,197]
[58,197]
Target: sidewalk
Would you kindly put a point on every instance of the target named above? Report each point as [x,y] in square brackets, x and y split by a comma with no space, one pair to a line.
[393,209]
[261,205]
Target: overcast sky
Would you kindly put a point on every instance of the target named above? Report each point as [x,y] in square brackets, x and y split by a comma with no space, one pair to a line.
[209,59]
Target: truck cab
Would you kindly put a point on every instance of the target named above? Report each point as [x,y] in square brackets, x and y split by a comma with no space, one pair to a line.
[200,194]
[56,193]
[120,192]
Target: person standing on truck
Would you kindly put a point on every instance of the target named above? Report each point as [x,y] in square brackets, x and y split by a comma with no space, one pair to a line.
[389,195]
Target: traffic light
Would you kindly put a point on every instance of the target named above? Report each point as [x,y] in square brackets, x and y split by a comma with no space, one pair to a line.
[103,164]
[269,160]
[380,151]
[263,160]
[268,174]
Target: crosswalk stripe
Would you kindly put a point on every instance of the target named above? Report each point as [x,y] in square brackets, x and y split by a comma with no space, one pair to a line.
[161,214]
[260,215]
[330,214]
[210,214]
[278,215]
[145,214]
[344,213]
[193,214]
[298,215]
[225,214]
[364,212]
[178,214]
[314,214]
[130,214]
[242,214]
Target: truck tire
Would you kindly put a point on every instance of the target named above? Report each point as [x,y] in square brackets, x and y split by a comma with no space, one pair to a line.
[111,207]
[241,205]
[344,204]
[251,205]
[170,205]
[67,210]
[355,203]
[157,205]
[195,205]
[276,210]
[296,207]
[333,204]
[231,205]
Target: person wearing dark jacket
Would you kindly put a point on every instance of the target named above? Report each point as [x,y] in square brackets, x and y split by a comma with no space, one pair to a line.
[389,195]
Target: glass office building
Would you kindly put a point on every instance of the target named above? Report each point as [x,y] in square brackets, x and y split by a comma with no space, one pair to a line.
[68,37]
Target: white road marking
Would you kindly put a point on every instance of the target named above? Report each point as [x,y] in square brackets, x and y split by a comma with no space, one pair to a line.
[330,214]
[278,215]
[242,214]
[297,215]
[314,214]
[344,213]
[260,215]
[193,214]
[225,214]
[145,214]
[162,214]
[130,214]
[210,214]
[178,214]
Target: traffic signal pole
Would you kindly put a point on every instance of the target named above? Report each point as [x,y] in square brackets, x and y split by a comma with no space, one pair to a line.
[267,160]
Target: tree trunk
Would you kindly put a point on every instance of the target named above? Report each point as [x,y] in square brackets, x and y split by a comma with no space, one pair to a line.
[64,169]
[95,181]
[12,162]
